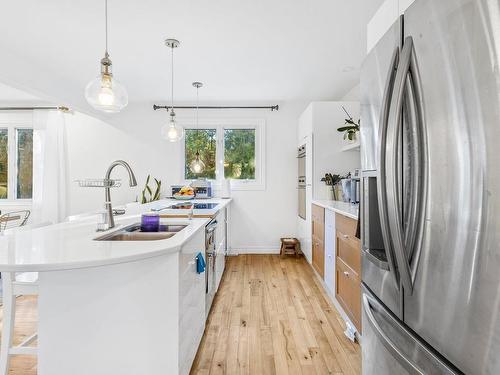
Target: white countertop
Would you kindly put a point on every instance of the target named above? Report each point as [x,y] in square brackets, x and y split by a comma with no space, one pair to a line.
[344,208]
[71,244]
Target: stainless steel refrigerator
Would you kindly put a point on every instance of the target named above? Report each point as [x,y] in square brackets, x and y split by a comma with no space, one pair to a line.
[430,213]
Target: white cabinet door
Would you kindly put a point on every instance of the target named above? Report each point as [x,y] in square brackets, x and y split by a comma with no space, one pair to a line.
[220,238]
[191,302]
[330,250]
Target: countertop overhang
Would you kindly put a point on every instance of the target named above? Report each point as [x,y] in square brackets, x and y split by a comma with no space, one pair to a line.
[343,208]
[72,244]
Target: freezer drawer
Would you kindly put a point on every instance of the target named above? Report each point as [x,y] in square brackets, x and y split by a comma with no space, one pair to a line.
[390,348]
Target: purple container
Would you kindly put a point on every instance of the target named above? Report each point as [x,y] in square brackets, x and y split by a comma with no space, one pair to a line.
[150,223]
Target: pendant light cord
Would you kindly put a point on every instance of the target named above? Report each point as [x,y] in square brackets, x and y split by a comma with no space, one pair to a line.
[172,60]
[197,107]
[106,23]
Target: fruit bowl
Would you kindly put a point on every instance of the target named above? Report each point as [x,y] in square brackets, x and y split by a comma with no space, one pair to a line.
[184,197]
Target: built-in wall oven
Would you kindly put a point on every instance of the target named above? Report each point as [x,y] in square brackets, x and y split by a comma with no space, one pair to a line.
[211,259]
[301,186]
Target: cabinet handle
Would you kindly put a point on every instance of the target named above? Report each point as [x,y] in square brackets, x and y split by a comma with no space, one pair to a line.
[346,274]
[346,237]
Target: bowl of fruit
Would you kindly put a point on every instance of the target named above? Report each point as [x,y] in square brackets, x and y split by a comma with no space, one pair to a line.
[186,193]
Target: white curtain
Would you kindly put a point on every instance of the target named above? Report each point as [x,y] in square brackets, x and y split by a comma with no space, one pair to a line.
[50,185]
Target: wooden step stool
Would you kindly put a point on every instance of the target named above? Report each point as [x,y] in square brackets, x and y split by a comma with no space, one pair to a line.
[290,246]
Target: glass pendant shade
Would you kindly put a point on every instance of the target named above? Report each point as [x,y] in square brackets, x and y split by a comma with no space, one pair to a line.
[197,166]
[106,94]
[172,131]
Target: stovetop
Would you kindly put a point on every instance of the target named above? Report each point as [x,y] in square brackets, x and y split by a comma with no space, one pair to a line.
[196,206]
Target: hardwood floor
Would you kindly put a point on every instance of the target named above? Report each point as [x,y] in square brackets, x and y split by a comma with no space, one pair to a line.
[272,316]
[26,325]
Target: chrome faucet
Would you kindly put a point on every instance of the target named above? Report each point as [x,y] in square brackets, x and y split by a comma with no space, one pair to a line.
[109,221]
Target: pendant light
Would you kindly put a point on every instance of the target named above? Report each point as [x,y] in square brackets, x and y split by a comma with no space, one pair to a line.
[197,166]
[105,93]
[172,131]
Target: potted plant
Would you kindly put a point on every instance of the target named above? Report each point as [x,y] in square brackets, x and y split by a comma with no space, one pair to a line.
[331,180]
[148,195]
[350,128]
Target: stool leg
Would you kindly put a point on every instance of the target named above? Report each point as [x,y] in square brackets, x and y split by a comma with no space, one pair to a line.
[9,313]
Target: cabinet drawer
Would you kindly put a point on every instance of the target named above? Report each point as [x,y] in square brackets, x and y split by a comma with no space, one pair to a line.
[348,292]
[318,256]
[349,250]
[346,225]
[317,213]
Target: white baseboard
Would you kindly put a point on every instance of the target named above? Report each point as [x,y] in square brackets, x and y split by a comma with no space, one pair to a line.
[254,250]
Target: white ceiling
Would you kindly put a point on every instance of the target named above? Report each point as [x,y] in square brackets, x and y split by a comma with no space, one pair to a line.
[241,50]
[11,95]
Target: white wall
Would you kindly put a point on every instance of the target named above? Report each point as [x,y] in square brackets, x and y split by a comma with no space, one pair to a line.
[353,95]
[328,143]
[92,146]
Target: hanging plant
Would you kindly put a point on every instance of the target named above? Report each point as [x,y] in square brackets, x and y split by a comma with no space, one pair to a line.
[350,127]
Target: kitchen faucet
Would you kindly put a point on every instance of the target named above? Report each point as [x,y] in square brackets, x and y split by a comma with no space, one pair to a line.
[109,221]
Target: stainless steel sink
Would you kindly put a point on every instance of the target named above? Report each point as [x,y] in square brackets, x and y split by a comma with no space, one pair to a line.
[133,233]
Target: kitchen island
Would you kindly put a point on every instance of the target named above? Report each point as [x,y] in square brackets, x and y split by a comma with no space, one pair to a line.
[114,307]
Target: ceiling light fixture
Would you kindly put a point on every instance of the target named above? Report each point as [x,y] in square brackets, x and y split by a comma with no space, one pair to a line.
[197,166]
[105,93]
[172,131]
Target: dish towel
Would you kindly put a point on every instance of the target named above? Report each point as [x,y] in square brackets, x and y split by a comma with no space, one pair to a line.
[200,263]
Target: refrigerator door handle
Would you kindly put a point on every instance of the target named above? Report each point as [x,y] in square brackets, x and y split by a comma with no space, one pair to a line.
[406,348]
[368,302]
[393,189]
[407,78]
[418,183]
[382,172]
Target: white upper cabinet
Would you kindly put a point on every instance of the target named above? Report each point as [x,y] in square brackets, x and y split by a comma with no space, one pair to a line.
[383,19]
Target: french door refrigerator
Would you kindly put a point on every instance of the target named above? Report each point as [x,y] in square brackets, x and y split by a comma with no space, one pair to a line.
[430,213]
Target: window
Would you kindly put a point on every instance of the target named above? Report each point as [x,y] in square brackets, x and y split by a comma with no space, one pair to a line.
[4,164]
[24,164]
[203,141]
[239,154]
[230,149]
[16,157]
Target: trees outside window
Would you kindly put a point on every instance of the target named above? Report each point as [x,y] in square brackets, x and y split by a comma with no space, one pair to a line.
[16,159]
[239,153]
[205,142]
[230,149]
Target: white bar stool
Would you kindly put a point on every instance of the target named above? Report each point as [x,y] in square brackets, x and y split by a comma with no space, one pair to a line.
[15,284]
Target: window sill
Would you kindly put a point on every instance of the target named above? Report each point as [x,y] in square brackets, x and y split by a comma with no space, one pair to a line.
[19,202]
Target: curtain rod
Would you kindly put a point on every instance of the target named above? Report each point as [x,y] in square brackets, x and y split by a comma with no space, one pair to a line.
[272,107]
[60,108]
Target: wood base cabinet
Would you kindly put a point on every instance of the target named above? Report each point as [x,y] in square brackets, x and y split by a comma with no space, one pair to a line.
[348,268]
[318,239]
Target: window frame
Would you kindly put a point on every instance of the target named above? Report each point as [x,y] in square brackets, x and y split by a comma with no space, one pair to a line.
[12,122]
[220,124]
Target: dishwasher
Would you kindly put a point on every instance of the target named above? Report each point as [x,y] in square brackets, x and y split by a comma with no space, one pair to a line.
[211,257]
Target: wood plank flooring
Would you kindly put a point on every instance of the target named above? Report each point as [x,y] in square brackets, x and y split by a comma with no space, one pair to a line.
[272,316]
[26,325]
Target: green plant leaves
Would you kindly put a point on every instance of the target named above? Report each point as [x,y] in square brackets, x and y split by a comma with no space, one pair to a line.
[147,193]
